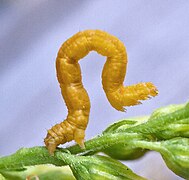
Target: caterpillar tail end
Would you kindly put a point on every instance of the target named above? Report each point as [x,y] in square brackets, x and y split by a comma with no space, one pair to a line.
[54,137]
[62,133]
[132,95]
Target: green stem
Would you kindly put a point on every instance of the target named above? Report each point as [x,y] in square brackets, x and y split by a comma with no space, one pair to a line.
[40,155]
[29,157]
[102,142]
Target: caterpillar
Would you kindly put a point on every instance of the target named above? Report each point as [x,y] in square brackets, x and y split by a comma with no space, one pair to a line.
[75,95]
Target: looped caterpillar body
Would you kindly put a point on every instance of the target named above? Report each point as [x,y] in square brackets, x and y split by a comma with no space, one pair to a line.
[73,92]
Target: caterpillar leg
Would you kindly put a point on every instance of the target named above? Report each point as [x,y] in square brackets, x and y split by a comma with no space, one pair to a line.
[79,136]
[68,130]
[54,137]
[52,140]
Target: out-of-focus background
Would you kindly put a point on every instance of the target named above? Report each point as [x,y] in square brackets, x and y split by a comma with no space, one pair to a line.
[156,34]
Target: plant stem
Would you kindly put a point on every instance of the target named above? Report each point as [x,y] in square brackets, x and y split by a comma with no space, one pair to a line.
[100,143]
[29,157]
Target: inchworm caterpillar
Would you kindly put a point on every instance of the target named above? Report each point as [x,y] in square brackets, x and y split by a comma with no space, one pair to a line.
[73,92]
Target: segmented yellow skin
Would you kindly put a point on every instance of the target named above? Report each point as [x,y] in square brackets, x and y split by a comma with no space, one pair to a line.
[75,95]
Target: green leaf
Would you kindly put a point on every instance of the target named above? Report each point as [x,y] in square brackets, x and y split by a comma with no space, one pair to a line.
[97,167]
[2,177]
[166,110]
[166,125]
[43,172]
[125,123]
[89,167]
[176,128]
[123,151]
[175,153]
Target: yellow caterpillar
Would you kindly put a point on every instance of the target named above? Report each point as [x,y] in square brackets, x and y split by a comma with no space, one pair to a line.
[73,92]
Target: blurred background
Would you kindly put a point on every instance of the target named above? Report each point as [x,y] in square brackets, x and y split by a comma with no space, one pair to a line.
[156,34]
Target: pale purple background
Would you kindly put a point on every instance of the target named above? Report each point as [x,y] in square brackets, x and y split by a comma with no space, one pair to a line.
[156,34]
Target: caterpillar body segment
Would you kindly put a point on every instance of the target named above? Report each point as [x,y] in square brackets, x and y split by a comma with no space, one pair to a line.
[75,95]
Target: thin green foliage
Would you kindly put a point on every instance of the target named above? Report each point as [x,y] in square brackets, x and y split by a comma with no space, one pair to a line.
[165,131]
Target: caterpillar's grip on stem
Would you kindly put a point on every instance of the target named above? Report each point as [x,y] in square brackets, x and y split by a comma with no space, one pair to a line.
[73,92]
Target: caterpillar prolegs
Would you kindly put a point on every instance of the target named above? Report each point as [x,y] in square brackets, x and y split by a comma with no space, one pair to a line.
[73,92]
